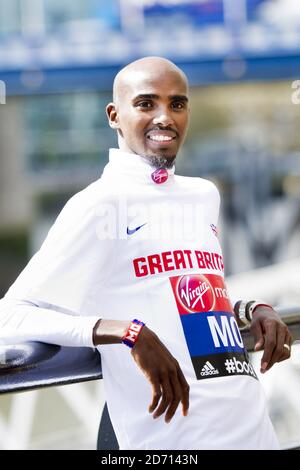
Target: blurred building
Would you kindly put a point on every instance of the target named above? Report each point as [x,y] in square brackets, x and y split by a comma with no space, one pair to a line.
[58,60]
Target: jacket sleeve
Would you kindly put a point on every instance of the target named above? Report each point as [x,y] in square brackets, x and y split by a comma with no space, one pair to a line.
[22,321]
[52,300]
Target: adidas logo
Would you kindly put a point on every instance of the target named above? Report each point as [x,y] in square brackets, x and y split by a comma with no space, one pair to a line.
[208,369]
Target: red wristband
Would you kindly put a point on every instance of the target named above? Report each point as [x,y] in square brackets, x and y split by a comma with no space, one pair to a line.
[132,333]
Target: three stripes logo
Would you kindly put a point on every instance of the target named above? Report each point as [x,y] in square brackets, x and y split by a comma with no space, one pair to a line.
[209,369]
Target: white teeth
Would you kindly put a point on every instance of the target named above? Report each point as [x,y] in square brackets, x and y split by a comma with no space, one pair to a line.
[160,138]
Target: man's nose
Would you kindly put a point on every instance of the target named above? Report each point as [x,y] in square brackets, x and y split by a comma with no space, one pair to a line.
[163,118]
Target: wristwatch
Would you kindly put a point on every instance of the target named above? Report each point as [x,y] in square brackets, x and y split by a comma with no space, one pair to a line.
[244,311]
[240,311]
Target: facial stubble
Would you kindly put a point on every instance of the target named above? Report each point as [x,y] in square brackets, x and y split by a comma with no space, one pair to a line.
[160,161]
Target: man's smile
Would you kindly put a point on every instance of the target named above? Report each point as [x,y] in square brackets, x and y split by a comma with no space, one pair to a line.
[162,136]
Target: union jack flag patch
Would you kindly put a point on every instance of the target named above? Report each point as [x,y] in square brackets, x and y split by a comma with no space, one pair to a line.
[214,229]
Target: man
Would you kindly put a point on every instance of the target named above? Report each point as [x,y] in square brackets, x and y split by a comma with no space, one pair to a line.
[139,246]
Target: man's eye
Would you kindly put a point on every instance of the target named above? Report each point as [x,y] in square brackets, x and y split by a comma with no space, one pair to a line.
[178,105]
[144,104]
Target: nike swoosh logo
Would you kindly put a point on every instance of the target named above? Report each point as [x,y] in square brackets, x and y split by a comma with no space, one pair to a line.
[131,231]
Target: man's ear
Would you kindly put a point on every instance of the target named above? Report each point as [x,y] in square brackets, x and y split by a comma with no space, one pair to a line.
[112,116]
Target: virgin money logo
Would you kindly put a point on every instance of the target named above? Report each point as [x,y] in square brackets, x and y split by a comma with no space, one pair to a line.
[198,293]
[195,293]
[160,176]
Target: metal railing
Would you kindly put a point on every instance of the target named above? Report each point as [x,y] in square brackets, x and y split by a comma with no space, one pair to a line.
[35,365]
[32,366]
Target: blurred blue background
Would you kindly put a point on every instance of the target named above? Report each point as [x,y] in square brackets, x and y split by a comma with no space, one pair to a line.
[58,60]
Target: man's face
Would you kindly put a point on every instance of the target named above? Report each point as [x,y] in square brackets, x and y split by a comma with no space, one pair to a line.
[151,113]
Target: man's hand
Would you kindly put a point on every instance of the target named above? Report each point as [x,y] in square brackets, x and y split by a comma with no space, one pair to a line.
[169,386]
[157,363]
[270,334]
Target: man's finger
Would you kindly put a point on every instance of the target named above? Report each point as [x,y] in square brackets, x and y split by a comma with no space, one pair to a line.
[185,400]
[280,349]
[270,345]
[259,337]
[166,398]
[286,352]
[177,394]
[259,344]
[156,395]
